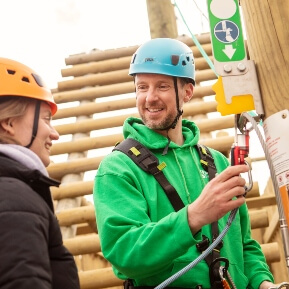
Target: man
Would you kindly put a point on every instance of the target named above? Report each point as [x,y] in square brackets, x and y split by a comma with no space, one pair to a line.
[141,234]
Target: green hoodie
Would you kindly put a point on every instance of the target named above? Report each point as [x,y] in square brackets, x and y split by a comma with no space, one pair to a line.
[144,238]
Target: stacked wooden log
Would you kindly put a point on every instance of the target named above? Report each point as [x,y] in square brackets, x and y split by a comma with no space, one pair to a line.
[94,102]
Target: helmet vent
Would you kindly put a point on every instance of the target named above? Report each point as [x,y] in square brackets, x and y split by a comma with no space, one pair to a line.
[38,80]
[184,63]
[175,59]
[25,79]
[11,71]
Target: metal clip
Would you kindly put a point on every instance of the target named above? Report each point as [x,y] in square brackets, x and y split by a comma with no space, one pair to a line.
[222,272]
[250,185]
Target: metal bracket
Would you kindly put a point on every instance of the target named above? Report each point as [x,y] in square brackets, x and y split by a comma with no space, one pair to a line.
[240,78]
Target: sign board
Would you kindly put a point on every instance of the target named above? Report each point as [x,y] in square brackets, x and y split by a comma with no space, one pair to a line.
[226,30]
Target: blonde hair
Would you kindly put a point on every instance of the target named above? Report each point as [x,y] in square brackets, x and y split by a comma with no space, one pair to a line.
[11,107]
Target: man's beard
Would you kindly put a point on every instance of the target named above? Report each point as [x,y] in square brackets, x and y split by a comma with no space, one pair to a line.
[161,125]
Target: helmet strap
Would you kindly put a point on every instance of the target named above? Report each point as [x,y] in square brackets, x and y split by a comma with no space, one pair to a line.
[35,123]
[179,113]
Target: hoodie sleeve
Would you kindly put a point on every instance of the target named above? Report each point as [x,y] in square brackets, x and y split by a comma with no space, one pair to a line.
[256,272]
[129,238]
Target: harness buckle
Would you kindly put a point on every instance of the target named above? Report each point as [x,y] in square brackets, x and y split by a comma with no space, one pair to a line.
[204,244]
[127,284]
[219,246]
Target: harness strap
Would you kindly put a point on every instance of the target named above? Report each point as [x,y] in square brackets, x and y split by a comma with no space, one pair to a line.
[207,161]
[208,164]
[150,164]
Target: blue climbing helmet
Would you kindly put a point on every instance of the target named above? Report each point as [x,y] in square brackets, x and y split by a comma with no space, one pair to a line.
[164,56]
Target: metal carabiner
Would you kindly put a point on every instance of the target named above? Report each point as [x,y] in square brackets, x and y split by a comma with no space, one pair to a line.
[250,186]
[281,285]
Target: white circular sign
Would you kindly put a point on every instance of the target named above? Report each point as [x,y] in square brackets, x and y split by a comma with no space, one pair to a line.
[223,9]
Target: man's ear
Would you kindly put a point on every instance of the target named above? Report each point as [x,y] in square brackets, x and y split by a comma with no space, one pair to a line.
[7,126]
[189,89]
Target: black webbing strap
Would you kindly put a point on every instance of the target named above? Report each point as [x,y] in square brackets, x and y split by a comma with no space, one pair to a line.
[148,162]
[207,162]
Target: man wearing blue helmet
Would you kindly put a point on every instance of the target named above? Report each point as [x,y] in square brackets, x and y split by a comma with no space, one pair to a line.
[148,235]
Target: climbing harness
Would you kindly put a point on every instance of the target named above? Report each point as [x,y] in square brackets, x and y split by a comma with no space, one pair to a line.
[148,162]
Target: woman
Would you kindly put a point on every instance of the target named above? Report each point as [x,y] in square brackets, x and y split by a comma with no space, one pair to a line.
[31,250]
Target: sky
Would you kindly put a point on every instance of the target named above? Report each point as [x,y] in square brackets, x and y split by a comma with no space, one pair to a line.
[42,33]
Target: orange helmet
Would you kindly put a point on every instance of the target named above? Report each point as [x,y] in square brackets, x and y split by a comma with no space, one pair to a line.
[17,79]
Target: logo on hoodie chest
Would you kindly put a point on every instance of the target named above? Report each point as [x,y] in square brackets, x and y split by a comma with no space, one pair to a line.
[204,174]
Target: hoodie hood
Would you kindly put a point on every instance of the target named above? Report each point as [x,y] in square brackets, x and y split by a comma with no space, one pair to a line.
[135,128]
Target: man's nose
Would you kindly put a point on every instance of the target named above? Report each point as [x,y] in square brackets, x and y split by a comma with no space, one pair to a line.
[151,95]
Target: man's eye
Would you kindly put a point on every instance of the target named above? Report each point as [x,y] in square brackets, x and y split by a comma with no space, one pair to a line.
[164,87]
[141,88]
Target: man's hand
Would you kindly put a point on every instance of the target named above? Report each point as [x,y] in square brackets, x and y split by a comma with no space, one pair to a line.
[269,285]
[220,196]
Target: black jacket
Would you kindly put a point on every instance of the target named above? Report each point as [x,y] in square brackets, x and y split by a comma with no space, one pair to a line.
[32,254]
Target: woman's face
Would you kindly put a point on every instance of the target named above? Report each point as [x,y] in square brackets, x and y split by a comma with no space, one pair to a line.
[23,127]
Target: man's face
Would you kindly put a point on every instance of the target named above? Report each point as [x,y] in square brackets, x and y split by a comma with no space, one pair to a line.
[156,100]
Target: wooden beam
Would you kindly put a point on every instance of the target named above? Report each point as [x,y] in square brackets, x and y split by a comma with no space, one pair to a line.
[82,188]
[115,64]
[261,201]
[99,55]
[190,109]
[103,91]
[77,215]
[72,190]
[81,165]
[99,278]
[81,245]
[91,93]
[259,218]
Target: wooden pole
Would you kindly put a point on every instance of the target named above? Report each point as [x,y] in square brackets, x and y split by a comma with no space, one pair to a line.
[83,188]
[162,19]
[258,218]
[81,165]
[128,51]
[108,90]
[268,42]
[88,125]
